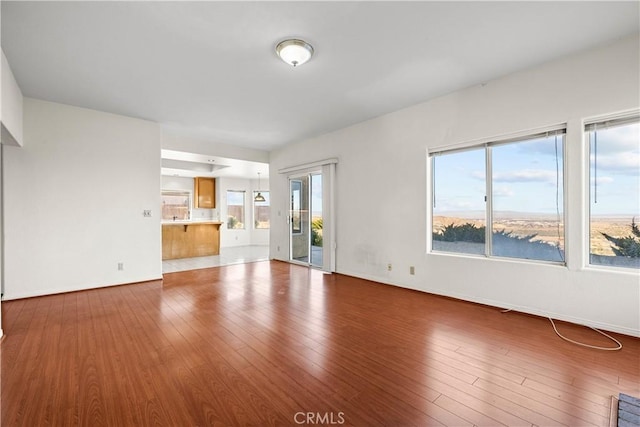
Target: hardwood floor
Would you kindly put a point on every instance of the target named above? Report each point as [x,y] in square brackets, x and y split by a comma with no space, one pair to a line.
[270,343]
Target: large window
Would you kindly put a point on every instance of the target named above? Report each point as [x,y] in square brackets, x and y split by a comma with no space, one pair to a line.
[458,202]
[235,209]
[514,186]
[614,196]
[176,205]
[261,210]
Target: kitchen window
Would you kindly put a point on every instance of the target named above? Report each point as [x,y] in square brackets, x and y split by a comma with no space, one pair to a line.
[235,210]
[261,210]
[176,205]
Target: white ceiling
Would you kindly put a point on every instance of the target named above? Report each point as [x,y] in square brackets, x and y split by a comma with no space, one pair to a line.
[208,69]
[185,164]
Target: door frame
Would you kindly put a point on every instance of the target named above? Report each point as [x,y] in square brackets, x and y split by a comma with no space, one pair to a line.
[301,178]
[328,169]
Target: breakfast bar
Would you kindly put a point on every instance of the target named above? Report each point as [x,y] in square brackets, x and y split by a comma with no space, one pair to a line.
[186,239]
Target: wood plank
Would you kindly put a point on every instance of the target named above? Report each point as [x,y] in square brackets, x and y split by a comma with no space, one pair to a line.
[476,418]
[556,412]
[256,344]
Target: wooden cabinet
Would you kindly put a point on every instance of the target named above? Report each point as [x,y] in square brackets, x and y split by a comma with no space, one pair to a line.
[190,240]
[204,193]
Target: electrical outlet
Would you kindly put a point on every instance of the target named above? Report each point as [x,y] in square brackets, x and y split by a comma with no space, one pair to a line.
[278,248]
[412,270]
[146,213]
[120,266]
[389,267]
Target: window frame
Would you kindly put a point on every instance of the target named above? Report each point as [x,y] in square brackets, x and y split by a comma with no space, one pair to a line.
[618,119]
[244,209]
[176,192]
[293,230]
[486,145]
[263,192]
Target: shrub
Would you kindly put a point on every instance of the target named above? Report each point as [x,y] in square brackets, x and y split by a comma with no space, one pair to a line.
[628,246]
[316,232]
[509,235]
[232,221]
[505,243]
[461,233]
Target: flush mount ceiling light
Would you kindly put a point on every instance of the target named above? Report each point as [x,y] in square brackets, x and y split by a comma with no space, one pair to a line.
[294,51]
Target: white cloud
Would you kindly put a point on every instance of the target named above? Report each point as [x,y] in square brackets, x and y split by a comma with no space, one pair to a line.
[526,175]
[477,175]
[503,191]
[619,140]
[544,146]
[457,205]
[628,162]
[618,149]
[602,180]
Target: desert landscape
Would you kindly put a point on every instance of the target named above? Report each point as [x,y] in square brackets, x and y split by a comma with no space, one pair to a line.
[547,230]
[616,227]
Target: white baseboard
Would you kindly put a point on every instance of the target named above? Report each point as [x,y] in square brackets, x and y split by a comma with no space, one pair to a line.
[505,305]
[8,296]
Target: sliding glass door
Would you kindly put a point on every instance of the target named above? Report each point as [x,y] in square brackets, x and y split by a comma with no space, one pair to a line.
[306,219]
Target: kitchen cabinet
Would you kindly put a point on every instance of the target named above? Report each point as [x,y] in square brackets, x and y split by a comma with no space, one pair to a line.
[190,239]
[205,193]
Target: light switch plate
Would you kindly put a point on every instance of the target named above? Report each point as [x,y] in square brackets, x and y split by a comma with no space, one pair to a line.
[146,213]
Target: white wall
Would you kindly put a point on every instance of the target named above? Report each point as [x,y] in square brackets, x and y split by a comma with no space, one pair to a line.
[1,234]
[74,201]
[11,133]
[11,111]
[381,200]
[187,184]
[247,236]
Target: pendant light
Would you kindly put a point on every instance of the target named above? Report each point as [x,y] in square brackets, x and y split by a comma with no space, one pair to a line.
[259,197]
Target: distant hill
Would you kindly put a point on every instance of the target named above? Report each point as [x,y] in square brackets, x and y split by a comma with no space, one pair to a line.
[479,215]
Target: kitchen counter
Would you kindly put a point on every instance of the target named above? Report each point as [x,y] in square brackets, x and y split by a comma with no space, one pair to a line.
[187,239]
[196,221]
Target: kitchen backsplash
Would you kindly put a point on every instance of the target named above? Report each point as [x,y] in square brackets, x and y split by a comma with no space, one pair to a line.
[204,214]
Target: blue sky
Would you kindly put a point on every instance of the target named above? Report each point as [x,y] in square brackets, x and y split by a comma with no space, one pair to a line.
[524,176]
[235,198]
[316,196]
[618,167]
[456,182]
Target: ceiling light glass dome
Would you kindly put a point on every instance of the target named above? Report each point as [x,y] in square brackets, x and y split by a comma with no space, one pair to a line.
[294,52]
